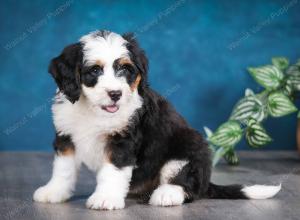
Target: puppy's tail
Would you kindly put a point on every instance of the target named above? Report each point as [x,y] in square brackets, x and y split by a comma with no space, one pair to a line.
[242,192]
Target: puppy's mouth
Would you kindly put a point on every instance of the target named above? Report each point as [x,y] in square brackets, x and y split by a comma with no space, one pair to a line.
[110,108]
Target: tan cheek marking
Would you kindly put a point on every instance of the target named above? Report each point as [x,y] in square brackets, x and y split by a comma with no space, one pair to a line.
[107,155]
[68,151]
[136,83]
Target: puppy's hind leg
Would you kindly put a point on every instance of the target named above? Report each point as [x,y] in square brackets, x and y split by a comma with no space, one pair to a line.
[182,182]
[169,193]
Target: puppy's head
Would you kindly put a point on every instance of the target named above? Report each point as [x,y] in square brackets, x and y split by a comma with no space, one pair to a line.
[105,68]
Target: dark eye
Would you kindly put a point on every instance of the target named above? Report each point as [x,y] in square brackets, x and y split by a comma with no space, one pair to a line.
[125,70]
[95,70]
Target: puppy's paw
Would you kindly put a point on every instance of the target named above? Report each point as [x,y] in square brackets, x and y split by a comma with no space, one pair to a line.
[51,194]
[105,202]
[167,195]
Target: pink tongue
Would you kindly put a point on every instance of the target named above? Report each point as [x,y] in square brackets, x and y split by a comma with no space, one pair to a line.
[112,108]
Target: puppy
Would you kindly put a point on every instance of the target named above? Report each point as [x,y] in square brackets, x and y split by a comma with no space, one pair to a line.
[107,117]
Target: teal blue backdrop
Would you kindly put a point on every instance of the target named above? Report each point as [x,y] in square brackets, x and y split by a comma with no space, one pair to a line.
[198,52]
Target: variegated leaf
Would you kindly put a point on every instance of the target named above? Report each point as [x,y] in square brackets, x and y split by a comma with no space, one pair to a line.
[248,107]
[294,81]
[280,105]
[256,135]
[280,62]
[231,157]
[294,69]
[293,76]
[269,76]
[228,134]
[287,89]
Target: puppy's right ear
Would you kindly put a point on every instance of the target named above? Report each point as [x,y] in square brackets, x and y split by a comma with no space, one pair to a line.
[65,69]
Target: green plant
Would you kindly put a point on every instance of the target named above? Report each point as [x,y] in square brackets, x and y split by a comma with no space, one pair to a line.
[280,82]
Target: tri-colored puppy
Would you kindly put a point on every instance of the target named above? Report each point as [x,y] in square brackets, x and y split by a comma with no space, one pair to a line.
[107,117]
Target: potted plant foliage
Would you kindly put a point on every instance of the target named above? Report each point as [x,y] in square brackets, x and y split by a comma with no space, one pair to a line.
[280,82]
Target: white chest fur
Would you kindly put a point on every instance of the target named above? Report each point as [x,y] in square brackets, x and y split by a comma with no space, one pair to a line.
[89,127]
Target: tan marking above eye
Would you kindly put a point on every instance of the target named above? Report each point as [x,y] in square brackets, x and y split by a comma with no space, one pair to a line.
[99,63]
[123,61]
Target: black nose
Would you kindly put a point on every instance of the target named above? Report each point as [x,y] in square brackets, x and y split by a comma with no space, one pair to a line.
[115,95]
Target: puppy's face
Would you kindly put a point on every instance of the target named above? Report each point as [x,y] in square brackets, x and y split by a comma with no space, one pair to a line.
[106,69]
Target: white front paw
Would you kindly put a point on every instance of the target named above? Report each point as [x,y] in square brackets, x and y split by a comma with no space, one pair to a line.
[51,194]
[105,202]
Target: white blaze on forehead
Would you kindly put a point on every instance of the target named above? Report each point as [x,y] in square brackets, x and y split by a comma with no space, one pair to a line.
[106,49]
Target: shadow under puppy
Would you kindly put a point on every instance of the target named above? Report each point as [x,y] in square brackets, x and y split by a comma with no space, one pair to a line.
[107,117]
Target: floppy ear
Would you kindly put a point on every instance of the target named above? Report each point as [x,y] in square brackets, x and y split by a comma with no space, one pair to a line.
[65,69]
[138,56]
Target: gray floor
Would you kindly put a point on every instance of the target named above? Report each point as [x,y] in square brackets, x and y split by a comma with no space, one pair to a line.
[22,173]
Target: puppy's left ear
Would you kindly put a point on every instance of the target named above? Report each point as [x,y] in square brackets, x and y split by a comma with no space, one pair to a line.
[65,70]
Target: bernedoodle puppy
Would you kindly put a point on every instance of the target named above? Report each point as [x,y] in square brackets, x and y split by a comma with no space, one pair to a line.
[107,117]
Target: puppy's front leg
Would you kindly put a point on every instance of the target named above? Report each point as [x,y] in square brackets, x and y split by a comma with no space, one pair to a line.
[112,187]
[62,183]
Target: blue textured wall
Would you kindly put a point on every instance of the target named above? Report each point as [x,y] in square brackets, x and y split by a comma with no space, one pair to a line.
[198,52]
